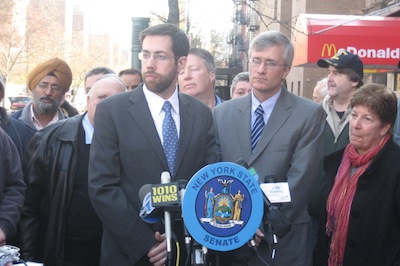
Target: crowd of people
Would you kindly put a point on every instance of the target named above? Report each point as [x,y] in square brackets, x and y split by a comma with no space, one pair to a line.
[70,182]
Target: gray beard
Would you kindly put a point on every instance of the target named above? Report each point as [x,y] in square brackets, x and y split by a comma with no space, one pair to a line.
[46,108]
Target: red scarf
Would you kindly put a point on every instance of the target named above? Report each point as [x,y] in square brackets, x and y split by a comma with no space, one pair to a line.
[341,197]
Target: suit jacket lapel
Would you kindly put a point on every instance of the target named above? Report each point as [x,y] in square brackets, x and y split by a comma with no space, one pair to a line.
[186,127]
[278,117]
[141,115]
[243,126]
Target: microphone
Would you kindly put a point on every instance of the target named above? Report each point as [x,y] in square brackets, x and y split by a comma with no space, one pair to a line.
[165,179]
[148,212]
[163,200]
[187,238]
[155,198]
[242,162]
[278,220]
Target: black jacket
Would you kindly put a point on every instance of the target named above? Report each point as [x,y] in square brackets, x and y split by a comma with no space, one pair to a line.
[18,131]
[50,165]
[374,225]
[12,186]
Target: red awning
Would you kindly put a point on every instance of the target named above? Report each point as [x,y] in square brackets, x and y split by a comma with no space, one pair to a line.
[376,40]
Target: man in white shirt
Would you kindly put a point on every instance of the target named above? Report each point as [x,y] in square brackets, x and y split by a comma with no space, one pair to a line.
[129,149]
[198,77]
[48,81]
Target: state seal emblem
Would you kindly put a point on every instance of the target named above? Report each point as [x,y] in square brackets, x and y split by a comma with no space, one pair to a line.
[222,206]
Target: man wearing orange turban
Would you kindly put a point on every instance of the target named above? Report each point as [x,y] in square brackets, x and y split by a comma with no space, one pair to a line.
[48,81]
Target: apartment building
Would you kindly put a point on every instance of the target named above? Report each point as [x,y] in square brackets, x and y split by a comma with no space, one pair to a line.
[255,16]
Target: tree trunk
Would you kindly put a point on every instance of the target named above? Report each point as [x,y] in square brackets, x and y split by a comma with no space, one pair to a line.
[173,16]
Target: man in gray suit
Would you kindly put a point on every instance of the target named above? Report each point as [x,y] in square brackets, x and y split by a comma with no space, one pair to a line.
[289,146]
[129,148]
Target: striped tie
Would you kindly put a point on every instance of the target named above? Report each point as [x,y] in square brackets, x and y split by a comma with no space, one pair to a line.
[170,137]
[258,127]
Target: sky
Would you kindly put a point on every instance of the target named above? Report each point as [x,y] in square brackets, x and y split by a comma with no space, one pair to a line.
[116,18]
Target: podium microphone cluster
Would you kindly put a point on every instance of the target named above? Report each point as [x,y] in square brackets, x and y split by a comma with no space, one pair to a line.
[162,201]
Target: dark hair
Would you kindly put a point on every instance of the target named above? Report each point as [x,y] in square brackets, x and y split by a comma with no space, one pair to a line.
[353,76]
[131,71]
[379,99]
[180,42]
[98,70]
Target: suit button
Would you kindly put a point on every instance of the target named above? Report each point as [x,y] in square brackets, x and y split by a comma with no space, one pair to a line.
[355,214]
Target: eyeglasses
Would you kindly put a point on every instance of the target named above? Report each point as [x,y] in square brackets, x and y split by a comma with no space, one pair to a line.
[267,63]
[157,57]
[54,87]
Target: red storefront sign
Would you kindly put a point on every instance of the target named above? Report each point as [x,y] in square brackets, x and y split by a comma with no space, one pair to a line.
[376,40]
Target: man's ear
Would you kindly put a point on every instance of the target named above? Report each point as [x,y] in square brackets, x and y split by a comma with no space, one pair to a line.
[181,63]
[212,76]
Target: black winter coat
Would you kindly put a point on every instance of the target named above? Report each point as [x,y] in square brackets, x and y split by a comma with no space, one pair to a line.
[374,225]
[50,164]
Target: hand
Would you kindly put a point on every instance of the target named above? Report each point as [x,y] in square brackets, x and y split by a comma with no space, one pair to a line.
[2,238]
[158,253]
[258,237]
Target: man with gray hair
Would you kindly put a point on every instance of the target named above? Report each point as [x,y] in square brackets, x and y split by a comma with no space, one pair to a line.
[58,224]
[198,77]
[280,135]
[240,85]
[320,90]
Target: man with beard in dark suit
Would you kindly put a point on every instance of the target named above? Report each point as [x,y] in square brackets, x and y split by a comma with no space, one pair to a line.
[129,148]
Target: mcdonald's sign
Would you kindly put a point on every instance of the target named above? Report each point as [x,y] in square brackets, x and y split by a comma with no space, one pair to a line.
[376,40]
[330,49]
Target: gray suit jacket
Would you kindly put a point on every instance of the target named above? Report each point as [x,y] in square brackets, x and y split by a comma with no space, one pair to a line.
[127,153]
[290,147]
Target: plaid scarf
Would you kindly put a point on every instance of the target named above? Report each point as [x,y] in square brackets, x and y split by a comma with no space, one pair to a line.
[341,197]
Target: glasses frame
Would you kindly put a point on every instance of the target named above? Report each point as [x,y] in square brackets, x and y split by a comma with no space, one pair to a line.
[144,56]
[266,63]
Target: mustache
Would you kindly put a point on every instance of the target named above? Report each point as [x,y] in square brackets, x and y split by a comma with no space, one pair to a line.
[150,73]
[46,98]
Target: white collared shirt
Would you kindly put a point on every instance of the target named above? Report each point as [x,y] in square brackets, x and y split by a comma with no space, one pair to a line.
[267,105]
[36,122]
[156,103]
[89,129]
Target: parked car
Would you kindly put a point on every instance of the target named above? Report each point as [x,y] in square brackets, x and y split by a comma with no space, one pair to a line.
[19,102]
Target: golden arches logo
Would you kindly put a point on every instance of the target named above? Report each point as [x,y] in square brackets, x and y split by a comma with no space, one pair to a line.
[330,49]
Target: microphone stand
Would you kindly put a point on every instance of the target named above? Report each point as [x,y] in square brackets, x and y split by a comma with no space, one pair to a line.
[166,178]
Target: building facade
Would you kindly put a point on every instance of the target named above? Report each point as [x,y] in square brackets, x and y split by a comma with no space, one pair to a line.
[255,16]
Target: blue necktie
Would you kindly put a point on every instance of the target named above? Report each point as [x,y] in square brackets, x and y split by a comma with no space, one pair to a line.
[258,127]
[170,137]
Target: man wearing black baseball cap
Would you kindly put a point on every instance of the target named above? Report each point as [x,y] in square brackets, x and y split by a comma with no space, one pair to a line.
[345,73]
